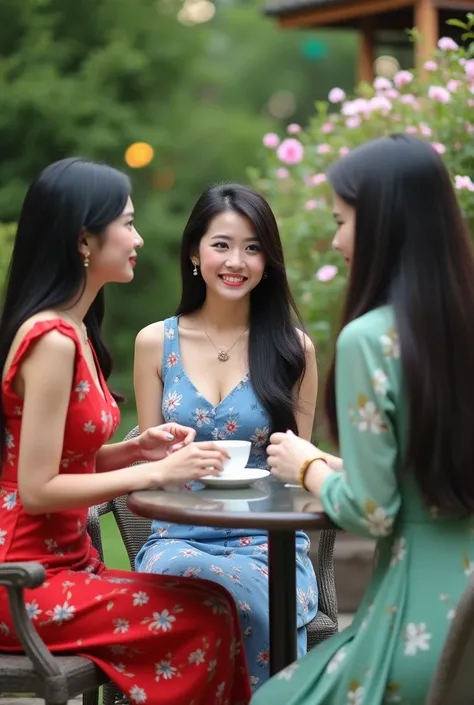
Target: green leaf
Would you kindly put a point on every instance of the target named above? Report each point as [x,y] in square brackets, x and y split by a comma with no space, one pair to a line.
[457,23]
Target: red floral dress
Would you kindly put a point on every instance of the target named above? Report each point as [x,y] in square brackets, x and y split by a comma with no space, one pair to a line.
[161,640]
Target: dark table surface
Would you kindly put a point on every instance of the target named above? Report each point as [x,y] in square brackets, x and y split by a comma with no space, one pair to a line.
[267,504]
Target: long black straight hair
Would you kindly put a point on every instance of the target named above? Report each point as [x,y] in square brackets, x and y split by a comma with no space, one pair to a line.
[412,251]
[276,351]
[46,269]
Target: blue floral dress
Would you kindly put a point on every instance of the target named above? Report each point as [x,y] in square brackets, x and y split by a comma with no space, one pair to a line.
[235,558]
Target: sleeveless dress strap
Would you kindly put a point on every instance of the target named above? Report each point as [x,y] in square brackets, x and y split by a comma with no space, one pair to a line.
[38,329]
[170,346]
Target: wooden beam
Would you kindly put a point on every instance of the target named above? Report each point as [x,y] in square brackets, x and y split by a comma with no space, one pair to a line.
[427,24]
[463,5]
[341,13]
[366,56]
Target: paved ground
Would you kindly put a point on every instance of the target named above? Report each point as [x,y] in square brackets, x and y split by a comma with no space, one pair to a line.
[344,621]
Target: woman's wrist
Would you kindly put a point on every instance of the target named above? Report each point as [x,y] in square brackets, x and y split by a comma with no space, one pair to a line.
[317,471]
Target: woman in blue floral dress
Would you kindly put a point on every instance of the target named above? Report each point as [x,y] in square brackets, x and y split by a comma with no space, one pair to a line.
[232,365]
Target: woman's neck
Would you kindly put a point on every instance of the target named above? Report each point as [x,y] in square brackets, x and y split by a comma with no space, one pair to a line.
[224,315]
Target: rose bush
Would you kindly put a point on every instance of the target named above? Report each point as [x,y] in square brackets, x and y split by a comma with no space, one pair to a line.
[438,106]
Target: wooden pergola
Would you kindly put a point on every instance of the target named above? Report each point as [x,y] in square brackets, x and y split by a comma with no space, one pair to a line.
[374,18]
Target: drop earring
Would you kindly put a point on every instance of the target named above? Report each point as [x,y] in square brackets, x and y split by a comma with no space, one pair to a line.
[195,270]
[86,260]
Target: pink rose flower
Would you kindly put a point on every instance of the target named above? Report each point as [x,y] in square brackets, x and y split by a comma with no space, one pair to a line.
[392,94]
[453,85]
[290,151]
[353,122]
[469,127]
[294,128]
[318,179]
[380,102]
[409,99]
[430,66]
[440,94]
[310,205]
[411,130]
[336,95]
[327,128]
[323,149]
[282,173]
[403,78]
[326,273]
[447,44]
[271,140]
[438,147]
[382,84]
[463,183]
[469,69]
[343,151]
[425,130]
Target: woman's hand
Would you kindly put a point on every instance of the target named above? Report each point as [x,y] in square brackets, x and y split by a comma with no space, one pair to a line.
[287,453]
[192,462]
[159,441]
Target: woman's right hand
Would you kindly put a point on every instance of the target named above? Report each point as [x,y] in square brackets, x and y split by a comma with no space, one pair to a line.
[192,462]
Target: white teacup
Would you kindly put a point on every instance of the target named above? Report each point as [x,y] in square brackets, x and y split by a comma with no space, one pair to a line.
[238,451]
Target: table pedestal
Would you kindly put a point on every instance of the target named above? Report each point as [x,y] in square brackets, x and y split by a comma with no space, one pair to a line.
[282,599]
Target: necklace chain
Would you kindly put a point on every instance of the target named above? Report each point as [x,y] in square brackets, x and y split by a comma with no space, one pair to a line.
[222,354]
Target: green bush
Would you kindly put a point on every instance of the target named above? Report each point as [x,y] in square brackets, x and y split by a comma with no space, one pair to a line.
[7,235]
[438,106]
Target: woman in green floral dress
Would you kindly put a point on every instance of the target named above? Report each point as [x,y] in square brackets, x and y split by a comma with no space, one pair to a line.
[400,402]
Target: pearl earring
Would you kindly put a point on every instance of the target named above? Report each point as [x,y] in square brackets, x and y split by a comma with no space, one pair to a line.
[195,270]
[86,260]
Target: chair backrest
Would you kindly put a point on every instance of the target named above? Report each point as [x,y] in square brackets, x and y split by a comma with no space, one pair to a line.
[135,530]
[453,681]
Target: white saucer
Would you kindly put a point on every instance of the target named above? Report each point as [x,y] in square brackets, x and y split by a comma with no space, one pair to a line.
[235,479]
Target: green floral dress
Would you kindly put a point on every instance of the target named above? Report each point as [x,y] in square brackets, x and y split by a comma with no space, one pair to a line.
[389,653]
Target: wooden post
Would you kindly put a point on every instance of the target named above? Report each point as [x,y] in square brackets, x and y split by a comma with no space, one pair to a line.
[427,24]
[366,57]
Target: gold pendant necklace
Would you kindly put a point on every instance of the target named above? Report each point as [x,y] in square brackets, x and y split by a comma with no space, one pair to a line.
[223,355]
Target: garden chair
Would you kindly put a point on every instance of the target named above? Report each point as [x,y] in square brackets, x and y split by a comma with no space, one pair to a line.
[453,681]
[39,673]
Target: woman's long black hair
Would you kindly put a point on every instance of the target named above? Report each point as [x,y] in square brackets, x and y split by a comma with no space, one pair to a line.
[412,251]
[46,269]
[276,351]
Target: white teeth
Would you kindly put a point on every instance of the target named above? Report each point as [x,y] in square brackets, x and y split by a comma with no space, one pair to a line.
[233,279]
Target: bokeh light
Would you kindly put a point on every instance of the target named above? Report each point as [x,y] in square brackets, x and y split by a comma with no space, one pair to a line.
[282,104]
[163,180]
[314,49]
[196,12]
[386,66]
[139,154]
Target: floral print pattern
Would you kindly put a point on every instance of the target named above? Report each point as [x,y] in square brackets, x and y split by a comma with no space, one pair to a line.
[143,632]
[424,560]
[234,558]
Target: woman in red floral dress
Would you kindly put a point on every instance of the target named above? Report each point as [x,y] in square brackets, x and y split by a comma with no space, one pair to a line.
[162,641]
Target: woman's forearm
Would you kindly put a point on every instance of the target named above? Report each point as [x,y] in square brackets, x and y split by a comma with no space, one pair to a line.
[113,456]
[67,491]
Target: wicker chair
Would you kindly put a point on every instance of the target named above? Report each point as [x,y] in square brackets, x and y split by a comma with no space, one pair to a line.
[56,679]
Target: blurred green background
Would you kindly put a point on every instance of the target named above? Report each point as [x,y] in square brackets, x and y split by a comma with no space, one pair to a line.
[199,86]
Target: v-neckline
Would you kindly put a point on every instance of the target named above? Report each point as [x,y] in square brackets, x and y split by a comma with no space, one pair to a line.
[180,357]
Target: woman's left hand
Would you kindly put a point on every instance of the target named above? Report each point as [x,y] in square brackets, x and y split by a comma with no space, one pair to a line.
[287,453]
[159,441]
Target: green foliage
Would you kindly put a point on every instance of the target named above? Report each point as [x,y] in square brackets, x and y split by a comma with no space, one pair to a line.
[437,106]
[7,234]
